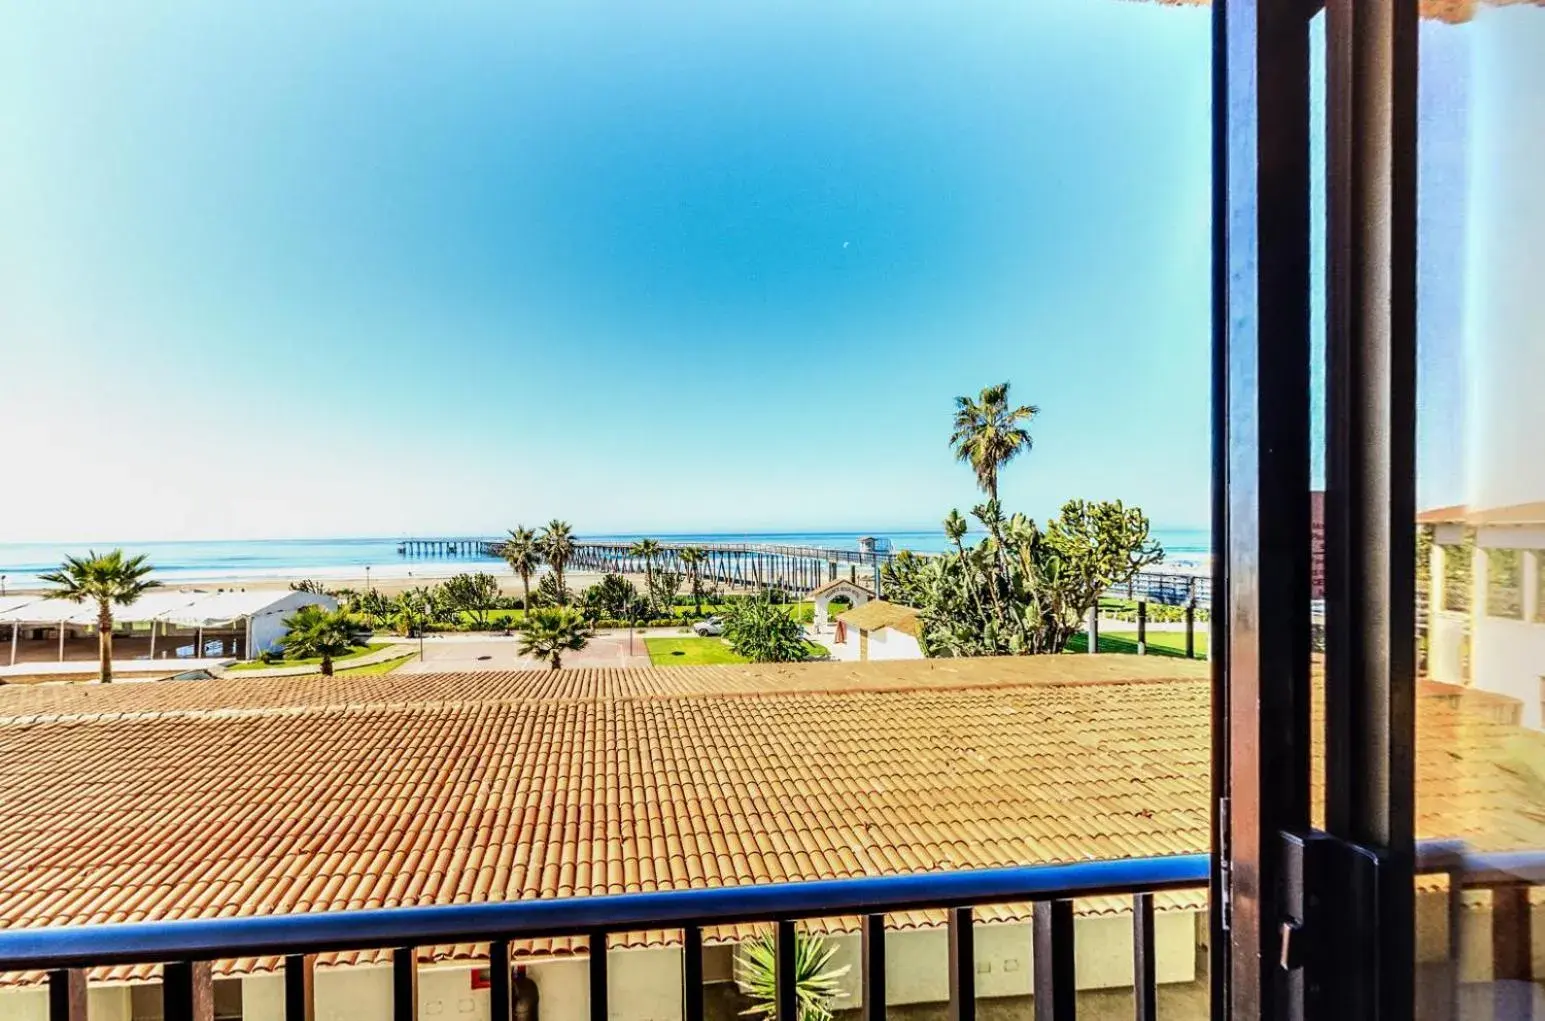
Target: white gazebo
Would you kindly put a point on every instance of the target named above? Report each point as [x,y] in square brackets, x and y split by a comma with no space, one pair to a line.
[855,593]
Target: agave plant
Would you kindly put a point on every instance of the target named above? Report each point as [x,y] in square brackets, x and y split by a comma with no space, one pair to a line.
[816,985]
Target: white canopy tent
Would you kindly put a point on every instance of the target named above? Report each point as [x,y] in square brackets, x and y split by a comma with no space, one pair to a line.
[261,614]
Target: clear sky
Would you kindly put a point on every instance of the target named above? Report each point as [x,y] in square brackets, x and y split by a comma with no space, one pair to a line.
[297,269]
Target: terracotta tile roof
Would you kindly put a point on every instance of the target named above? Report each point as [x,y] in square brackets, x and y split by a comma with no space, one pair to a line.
[877,613]
[243,797]
[1443,515]
[1532,513]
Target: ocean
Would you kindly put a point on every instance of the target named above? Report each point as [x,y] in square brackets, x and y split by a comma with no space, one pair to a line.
[178,563]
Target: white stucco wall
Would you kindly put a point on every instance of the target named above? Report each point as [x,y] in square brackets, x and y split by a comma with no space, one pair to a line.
[1507,656]
[1445,646]
[103,1003]
[888,643]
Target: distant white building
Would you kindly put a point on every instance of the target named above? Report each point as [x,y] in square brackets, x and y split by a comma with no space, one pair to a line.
[162,624]
[851,592]
[877,630]
[1486,602]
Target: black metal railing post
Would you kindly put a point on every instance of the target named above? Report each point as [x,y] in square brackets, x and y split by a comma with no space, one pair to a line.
[962,965]
[1145,984]
[187,991]
[1056,988]
[405,984]
[599,987]
[300,987]
[786,972]
[500,1002]
[874,967]
[67,995]
[692,1008]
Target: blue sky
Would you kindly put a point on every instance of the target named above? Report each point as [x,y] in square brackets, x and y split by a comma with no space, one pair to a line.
[269,270]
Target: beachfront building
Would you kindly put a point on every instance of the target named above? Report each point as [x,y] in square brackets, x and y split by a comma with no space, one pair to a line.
[1486,602]
[877,630]
[848,594]
[162,625]
[757,774]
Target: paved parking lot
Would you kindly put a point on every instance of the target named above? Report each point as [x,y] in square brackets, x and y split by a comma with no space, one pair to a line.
[446,653]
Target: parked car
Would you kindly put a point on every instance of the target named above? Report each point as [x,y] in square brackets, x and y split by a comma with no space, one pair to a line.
[710,628]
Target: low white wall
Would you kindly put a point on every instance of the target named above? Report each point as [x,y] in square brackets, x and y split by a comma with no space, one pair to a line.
[1508,657]
[888,643]
[103,1003]
[1445,646]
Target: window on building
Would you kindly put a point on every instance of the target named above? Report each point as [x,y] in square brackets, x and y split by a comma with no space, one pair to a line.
[1456,578]
[1539,585]
[1504,583]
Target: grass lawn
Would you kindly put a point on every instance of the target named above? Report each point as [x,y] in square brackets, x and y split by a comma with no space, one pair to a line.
[312,661]
[1160,643]
[701,651]
[386,666]
[690,651]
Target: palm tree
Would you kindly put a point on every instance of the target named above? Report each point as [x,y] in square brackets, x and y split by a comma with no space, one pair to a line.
[548,634]
[317,633]
[524,555]
[106,579]
[557,541]
[989,434]
[694,558]
[648,549]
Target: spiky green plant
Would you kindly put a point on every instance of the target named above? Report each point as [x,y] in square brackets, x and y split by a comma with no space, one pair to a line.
[816,985]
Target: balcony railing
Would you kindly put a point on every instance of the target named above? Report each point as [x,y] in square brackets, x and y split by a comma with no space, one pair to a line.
[186,948]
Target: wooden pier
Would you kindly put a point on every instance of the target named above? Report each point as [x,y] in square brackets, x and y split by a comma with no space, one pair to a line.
[790,569]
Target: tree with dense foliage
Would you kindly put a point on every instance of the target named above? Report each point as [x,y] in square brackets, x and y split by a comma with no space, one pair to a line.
[764,633]
[1022,589]
[989,434]
[411,613]
[523,553]
[612,598]
[106,579]
[557,542]
[816,985]
[549,594]
[316,633]
[474,593]
[663,588]
[693,558]
[548,634]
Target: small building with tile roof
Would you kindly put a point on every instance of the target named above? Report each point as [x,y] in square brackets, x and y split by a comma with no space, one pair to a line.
[878,630]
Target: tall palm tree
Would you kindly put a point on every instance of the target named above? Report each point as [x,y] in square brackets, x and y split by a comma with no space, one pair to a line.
[548,634]
[648,549]
[989,433]
[524,555]
[557,542]
[105,579]
[694,558]
[318,633]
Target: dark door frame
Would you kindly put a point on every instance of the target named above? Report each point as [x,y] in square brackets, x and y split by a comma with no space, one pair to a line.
[1312,923]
